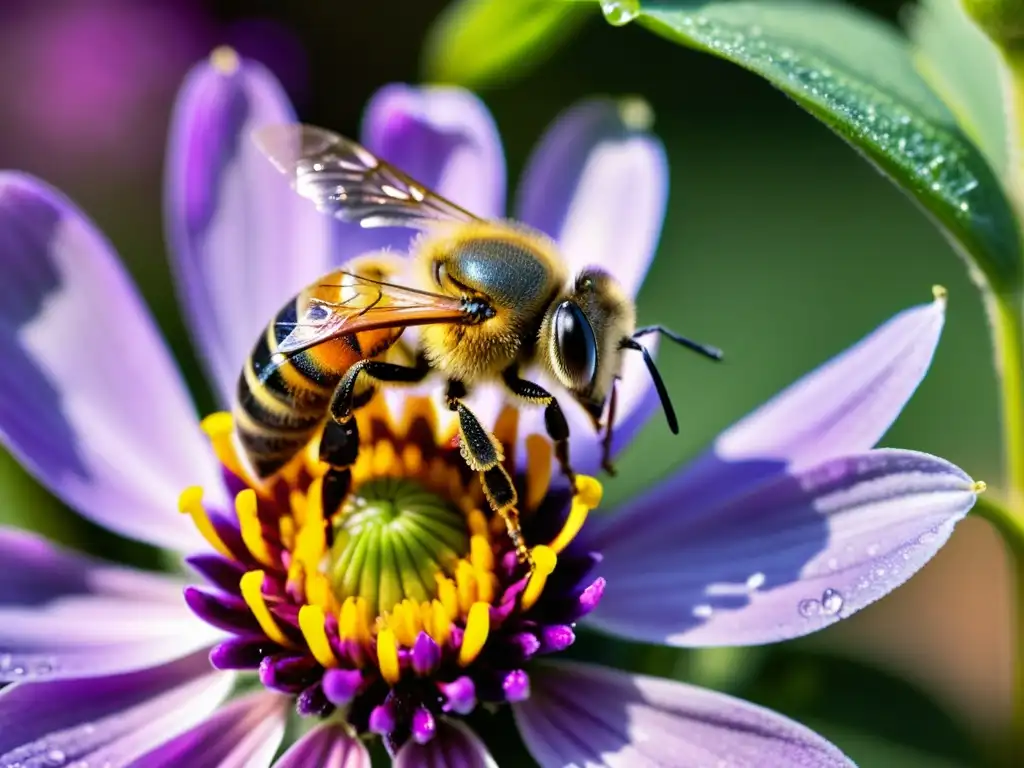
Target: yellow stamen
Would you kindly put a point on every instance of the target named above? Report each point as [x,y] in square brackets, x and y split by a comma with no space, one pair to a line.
[252,593]
[297,503]
[387,656]
[363,617]
[440,626]
[286,528]
[311,622]
[478,625]
[484,585]
[979,486]
[319,591]
[412,457]
[538,470]
[506,426]
[466,584]
[252,529]
[481,554]
[477,524]
[544,561]
[191,503]
[589,491]
[403,624]
[219,428]
[384,459]
[348,621]
[418,408]
[939,292]
[588,496]
[311,540]
[448,594]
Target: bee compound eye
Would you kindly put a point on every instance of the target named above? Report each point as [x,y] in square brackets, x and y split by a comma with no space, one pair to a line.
[575,344]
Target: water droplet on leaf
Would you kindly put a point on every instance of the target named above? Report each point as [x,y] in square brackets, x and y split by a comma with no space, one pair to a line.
[620,12]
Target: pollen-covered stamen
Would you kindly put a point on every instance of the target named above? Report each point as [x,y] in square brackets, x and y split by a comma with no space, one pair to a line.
[409,603]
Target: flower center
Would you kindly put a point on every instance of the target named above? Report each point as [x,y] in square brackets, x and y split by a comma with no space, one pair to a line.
[392,540]
[410,603]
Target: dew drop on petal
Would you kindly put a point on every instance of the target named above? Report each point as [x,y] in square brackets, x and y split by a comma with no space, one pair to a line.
[809,608]
[831,601]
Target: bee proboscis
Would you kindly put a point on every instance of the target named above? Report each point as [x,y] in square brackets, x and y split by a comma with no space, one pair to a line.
[500,299]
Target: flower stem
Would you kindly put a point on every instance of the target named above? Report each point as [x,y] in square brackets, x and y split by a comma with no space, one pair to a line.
[1007,327]
[1010,527]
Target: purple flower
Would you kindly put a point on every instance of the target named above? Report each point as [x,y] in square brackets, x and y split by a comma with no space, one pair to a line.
[416,611]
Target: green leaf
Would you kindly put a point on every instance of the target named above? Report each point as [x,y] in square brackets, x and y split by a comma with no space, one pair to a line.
[965,69]
[842,698]
[869,750]
[478,43]
[857,76]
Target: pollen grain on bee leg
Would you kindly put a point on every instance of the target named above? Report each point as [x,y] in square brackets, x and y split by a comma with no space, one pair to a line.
[414,589]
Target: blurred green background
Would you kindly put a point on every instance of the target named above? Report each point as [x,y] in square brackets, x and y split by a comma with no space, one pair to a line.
[781,246]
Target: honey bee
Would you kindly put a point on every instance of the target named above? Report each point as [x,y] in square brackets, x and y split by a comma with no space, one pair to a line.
[493,298]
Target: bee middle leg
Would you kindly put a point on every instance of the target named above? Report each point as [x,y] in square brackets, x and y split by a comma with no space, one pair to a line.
[339,444]
[554,419]
[483,453]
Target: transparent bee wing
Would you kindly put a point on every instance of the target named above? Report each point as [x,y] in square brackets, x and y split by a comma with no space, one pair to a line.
[364,304]
[346,180]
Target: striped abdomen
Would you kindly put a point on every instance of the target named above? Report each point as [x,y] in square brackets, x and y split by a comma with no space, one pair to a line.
[281,406]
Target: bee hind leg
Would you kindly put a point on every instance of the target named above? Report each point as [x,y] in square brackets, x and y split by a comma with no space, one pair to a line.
[554,419]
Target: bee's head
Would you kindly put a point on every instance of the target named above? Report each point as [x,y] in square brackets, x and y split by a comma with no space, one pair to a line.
[584,335]
[581,338]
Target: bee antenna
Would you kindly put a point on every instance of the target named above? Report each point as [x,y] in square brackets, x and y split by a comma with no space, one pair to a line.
[659,384]
[714,353]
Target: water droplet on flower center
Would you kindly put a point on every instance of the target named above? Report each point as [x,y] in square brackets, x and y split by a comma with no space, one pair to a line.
[391,540]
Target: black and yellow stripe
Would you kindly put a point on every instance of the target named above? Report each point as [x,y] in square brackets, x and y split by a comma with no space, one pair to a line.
[281,404]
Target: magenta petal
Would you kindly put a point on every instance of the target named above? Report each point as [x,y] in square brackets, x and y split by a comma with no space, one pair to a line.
[242,241]
[778,555]
[453,744]
[116,442]
[327,746]
[580,714]
[107,720]
[63,615]
[598,183]
[847,404]
[244,734]
[443,137]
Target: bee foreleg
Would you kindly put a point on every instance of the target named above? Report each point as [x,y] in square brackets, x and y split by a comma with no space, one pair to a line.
[554,419]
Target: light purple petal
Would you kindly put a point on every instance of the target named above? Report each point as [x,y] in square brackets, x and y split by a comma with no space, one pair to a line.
[106,720]
[453,746]
[63,615]
[242,241]
[846,405]
[328,746]
[91,402]
[445,138]
[598,183]
[787,555]
[585,715]
[244,734]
